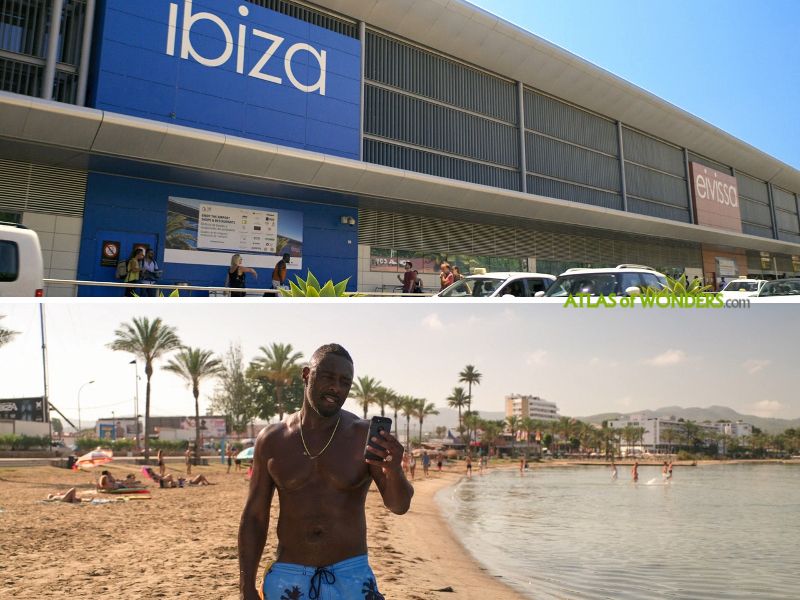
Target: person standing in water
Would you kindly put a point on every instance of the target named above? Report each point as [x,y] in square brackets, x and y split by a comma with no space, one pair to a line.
[635,471]
[613,471]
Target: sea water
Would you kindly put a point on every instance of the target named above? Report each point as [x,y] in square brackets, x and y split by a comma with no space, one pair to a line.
[716,531]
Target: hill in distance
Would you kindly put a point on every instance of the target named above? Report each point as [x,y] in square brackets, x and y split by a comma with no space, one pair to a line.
[711,413]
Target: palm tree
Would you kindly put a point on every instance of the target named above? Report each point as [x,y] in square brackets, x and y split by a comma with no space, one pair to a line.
[472,423]
[6,335]
[365,390]
[513,424]
[669,435]
[194,365]
[396,403]
[408,407]
[422,409]
[279,366]
[458,400]
[149,341]
[383,396]
[491,431]
[470,375]
[527,425]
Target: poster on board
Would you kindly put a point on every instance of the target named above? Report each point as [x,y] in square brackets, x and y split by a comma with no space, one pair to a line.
[199,232]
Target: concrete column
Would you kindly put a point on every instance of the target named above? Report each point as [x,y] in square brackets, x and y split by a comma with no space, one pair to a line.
[688,185]
[772,211]
[523,160]
[86,49]
[56,8]
[362,36]
[624,189]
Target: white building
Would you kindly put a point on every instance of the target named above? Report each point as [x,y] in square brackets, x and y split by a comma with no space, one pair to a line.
[656,438]
[531,406]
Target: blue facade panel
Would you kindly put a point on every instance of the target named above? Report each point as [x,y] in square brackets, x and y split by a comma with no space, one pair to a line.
[133,211]
[230,67]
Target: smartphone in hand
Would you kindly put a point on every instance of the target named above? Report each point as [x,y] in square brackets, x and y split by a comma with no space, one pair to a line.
[376,425]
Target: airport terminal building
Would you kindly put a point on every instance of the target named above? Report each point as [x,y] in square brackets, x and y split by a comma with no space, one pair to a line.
[356,135]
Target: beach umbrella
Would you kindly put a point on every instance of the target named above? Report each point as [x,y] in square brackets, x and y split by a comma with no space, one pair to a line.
[246,454]
[94,458]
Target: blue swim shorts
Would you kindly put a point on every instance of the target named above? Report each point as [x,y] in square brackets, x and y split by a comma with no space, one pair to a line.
[350,579]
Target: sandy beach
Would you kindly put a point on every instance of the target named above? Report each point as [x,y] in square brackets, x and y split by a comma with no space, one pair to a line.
[181,543]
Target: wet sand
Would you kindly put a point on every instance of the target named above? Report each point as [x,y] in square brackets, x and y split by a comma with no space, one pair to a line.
[182,542]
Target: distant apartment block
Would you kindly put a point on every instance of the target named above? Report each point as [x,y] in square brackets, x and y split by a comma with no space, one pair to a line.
[531,406]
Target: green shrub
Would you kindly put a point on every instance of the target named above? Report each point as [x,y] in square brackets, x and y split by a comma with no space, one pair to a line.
[310,288]
[15,441]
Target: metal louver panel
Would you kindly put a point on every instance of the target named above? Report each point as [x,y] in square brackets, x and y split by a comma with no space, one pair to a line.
[459,238]
[407,232]
[368,226]
[434,233]
[526,242]
[787,222]
[576,193]
[654,209]
[712,164]
[421,72]
[758,230]
[505,243]
[650,152]
[784,200]
[431,163]
[552,117]
[482,239]
[34,188]
[752,188]
[309,15]
[653,185]
[392,115]
[546,156]
[755,212]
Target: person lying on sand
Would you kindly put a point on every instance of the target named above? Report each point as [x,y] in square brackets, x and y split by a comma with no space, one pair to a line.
[108,482]
[71,496]
[168,481]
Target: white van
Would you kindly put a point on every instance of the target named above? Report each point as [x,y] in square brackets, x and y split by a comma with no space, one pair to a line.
[21,267]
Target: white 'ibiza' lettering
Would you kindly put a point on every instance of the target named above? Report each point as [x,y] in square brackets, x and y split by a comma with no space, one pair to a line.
[259,70]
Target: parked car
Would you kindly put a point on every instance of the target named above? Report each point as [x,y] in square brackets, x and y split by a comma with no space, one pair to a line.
[21,266]
[742,287]
[780,290]
[622,280]
[494,285]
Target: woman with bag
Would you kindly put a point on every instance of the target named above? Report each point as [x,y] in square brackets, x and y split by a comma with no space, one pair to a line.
[134,270]
[150,272]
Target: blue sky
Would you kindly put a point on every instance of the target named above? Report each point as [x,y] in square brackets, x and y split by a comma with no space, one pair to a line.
[732,63]
[587,361]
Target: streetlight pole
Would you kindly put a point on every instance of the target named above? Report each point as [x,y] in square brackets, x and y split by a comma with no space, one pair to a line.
[79,404]
[136,401]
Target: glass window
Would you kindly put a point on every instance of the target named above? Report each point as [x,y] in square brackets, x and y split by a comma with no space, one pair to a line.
[652,280]
[629,280]
[9,261]
[477,287]
[594,284]
[741,286]
[514,288]
[537,285]
[781,287]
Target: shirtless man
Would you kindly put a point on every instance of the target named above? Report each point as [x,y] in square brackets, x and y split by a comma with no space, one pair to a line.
[315,460]
[635,471]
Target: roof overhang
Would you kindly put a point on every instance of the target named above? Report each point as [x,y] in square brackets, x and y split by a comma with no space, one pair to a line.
[66,136]
[462,30]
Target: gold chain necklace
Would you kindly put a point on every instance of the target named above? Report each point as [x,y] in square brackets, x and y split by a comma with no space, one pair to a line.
[302,439]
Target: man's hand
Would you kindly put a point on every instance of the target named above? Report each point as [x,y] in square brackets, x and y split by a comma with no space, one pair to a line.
[390,451]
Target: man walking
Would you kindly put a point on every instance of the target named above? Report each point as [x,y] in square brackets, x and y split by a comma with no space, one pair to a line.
[279,272]
[314,459]
[408,279]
